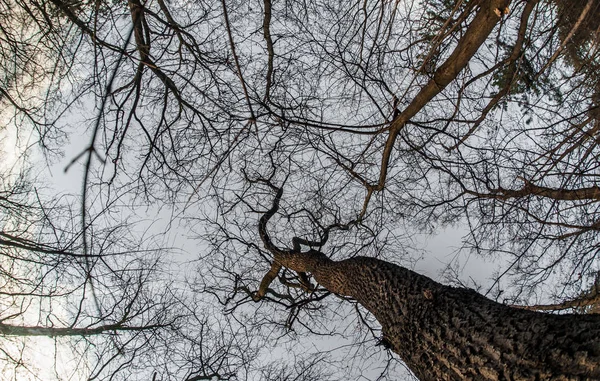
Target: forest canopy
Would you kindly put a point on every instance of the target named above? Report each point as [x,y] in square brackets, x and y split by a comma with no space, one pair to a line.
[378,121]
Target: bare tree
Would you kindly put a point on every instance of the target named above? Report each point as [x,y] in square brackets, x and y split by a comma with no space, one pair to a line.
[113,307]
[385,118]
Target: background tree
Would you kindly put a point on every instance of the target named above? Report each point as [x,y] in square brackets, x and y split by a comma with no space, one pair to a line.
[111,311]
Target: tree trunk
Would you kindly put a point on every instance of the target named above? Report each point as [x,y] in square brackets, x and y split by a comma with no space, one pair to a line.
[15,330]
[446,333]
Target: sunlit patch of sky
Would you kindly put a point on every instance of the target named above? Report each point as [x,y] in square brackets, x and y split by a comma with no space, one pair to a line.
[44,358]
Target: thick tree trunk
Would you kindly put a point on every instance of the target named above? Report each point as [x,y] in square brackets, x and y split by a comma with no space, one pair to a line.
[446,333]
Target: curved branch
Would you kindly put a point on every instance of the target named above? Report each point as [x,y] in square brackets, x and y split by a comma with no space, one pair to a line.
[262,225]
[483,24]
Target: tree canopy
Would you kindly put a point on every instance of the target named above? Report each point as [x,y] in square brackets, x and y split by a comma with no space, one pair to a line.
[380,119]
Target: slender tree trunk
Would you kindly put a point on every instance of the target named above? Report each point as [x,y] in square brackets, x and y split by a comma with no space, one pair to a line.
[15,330]
[446,333]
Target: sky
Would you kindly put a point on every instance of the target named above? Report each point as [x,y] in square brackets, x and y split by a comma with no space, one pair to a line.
[434,252]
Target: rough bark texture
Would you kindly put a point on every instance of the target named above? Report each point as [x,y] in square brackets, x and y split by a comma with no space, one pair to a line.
[446,333]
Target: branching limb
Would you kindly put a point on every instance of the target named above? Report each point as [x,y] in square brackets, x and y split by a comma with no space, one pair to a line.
[266,281]
[476,34]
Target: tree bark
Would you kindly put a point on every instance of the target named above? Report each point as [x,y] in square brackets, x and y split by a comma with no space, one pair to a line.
[446,333]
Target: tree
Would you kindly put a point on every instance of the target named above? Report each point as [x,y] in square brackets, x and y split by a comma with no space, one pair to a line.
[112,306]
[445,333]
[384,119]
